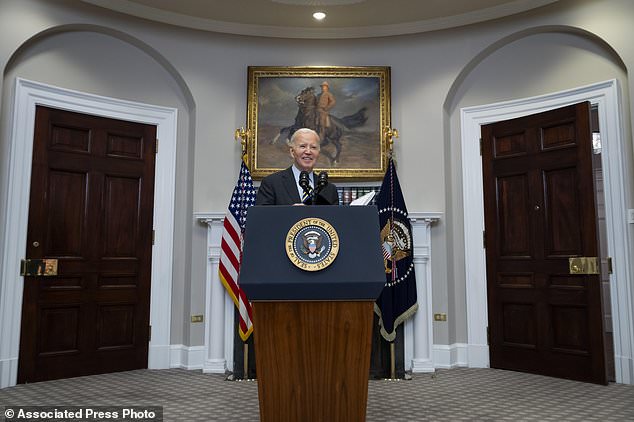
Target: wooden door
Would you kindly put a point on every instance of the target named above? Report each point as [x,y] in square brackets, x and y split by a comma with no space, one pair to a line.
[91,203]
[540,211]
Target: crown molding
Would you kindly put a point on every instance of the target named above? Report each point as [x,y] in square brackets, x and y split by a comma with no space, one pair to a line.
[370,31]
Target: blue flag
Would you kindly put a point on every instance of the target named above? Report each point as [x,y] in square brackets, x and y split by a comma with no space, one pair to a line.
[397,301]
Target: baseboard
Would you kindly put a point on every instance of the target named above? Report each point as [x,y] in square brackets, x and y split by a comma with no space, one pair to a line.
[624,369]
[186,357]
[478,356]
[450,356]
[422,366]
[159,356]
[8,372]
[215,366]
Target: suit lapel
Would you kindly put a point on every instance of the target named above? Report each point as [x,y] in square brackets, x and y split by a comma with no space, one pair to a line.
[290,185]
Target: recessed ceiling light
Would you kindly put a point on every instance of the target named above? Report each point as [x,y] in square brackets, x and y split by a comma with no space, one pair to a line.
[320,16]
[318,2]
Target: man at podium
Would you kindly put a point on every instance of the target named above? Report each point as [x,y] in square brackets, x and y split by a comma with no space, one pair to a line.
[298,185]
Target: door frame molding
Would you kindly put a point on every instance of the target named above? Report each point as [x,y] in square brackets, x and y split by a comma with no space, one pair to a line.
[28,95]
[606,95]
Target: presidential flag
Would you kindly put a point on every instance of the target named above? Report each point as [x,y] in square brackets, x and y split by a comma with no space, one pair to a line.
[231,247]
[397,301]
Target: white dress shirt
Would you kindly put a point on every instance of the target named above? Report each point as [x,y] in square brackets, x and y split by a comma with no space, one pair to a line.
[311,178]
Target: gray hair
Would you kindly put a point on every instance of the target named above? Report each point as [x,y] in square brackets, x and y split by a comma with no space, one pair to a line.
[300,132]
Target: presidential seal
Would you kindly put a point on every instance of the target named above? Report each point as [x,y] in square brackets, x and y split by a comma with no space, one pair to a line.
[312,244]
[396,244]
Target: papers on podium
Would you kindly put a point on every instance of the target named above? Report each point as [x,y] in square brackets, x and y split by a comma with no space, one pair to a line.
[364,200]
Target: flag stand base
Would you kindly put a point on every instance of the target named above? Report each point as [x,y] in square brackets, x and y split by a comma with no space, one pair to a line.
[392,364]
[245,367]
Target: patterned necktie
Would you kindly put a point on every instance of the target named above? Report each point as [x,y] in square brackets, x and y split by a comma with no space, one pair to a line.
[306,196]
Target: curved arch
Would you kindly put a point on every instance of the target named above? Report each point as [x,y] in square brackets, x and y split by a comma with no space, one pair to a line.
[466,147]
[127,38]
[27,95]
[450,99]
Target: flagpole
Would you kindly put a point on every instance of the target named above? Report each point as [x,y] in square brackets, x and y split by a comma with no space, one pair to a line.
[245,348]
[241,135]
[392,362]
[390,134]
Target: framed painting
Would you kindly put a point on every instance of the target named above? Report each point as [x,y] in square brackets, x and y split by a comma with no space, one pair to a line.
[349,107]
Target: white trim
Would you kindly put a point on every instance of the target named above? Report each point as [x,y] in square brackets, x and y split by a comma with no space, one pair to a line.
[418,330]
[280,31]
[606,94]
[218,348]
[28,95]
[186,357]
[450,356]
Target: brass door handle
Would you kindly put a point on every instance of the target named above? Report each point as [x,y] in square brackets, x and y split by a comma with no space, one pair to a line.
[38,267]
[583,265]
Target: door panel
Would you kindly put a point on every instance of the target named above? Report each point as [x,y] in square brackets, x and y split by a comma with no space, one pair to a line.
[55,322]
[562,213]
[115,324]
[540,211]
[513,216]
[65,220]
[519,324]
[121,216]
[91,206]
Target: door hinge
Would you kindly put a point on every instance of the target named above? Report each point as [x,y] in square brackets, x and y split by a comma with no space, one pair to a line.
[488,336]
[149,333]
[484,239]
[153,236]
[156,146]
[481,146]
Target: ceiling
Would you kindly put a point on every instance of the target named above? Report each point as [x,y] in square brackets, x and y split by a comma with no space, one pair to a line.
[345,18]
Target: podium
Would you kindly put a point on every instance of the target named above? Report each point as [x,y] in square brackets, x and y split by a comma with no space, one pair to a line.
[312,324]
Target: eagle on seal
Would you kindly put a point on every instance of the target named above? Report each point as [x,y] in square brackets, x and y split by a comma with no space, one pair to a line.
[312,244]
[396,243]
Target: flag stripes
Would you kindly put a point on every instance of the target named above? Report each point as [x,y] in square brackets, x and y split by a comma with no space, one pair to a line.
[231,248]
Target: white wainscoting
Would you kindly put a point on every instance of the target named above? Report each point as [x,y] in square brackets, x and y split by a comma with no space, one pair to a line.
[186,357]
[450,356]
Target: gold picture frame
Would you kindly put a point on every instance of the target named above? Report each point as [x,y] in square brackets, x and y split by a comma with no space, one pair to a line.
[281,99]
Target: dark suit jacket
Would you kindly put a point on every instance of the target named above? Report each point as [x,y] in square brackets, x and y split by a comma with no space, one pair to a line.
[281,189]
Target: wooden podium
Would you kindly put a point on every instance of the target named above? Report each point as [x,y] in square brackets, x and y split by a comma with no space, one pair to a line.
[313,329]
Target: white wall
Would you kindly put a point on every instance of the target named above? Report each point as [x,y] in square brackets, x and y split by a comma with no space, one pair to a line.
[101,64]
[534,65]
[433,75]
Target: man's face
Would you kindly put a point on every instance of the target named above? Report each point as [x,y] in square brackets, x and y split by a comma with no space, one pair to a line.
[324,88]
[305,151]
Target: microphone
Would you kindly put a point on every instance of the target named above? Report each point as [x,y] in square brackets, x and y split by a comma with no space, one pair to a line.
[304,181]
[322,180]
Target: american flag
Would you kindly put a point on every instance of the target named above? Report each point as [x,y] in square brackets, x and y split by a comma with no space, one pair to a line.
[231,247]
